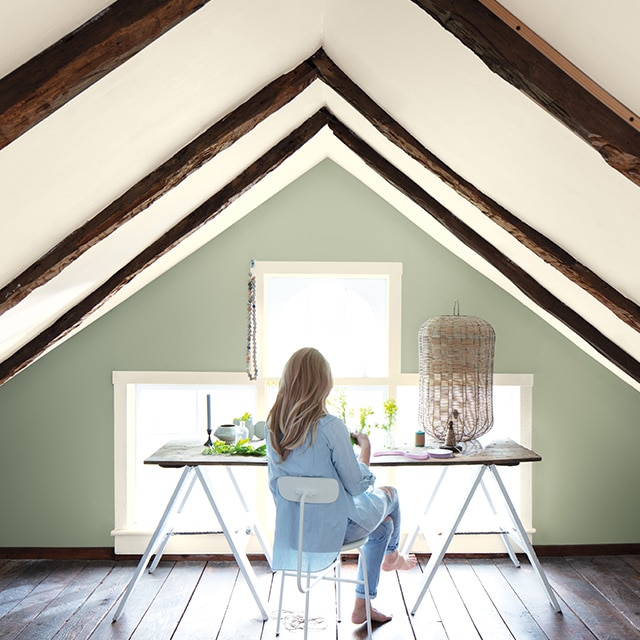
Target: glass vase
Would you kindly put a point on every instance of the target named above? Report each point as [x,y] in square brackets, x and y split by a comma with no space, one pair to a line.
[389,440]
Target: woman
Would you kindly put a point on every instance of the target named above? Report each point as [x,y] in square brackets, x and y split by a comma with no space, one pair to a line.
[305,440]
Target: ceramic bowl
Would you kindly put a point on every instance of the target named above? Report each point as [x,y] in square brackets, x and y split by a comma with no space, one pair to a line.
[226,433]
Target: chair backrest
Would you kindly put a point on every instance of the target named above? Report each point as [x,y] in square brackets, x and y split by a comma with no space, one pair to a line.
[308,490]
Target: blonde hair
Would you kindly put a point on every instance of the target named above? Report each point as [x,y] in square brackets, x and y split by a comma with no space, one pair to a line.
[304,388]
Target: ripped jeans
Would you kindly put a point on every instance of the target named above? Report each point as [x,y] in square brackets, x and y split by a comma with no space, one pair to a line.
[382,540]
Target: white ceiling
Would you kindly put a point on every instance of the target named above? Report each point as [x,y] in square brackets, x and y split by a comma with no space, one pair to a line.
[70,166]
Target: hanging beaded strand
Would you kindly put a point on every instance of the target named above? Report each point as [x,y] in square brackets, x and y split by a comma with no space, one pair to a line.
[252,350]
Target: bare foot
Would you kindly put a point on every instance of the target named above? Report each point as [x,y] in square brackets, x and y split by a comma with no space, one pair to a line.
[395,562]
[359,614]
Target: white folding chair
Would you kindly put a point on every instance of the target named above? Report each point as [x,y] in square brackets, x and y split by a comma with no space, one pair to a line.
[307,490]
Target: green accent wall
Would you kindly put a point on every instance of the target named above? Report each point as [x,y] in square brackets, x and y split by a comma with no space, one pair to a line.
[56,458]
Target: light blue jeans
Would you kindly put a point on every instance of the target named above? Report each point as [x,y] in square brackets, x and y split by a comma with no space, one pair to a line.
[382,540]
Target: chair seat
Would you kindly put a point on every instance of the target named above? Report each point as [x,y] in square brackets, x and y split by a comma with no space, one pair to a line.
[355,544]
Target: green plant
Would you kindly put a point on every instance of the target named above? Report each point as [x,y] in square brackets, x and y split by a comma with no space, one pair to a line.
[364,413]
[240,448]
[390,410]
[338,400]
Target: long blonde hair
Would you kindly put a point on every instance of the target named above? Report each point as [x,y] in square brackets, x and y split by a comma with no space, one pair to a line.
[304,388]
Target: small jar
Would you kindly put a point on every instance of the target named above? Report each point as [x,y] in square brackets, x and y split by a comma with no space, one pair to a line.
[419,438]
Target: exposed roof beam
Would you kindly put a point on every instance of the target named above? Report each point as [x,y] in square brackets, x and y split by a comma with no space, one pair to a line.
[566,65]
[515,274]
[233,126]
[503,49]
[185,227]
[36,89]
[543,247]
[215,139]
[256,172]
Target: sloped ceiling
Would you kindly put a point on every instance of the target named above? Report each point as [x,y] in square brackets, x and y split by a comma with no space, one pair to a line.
[124,151]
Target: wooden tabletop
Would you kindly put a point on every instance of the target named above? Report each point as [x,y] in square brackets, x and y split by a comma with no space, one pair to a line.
[181,453]
[499,452]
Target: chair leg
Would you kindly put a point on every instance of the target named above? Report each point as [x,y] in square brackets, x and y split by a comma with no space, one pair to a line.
[280,604]
[367,599]
[338,590]
[306,607]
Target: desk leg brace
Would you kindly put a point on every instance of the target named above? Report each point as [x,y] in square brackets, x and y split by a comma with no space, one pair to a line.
[411,539]
[436,558]
[503,534]
[156,538]
[241,558]
[252,520]
[524,541]
[169,530]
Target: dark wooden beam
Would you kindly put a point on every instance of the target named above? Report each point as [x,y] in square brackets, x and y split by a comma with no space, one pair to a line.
[36,89]
[518,62]
[218,137]
[188,225]
[624,308]
[225,133]
[244,118]
[251,176]
[515,274]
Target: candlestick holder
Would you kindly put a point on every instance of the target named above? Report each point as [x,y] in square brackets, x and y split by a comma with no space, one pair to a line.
[209,443]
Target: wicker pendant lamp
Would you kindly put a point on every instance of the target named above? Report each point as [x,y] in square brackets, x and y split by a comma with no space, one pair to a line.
[456,377]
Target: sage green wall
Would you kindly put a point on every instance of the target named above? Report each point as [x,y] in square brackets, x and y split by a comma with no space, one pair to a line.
[57,416]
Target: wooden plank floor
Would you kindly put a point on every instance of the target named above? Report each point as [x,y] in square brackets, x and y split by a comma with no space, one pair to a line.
[470,599]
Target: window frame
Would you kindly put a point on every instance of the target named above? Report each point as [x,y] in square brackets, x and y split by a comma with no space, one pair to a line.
[132,540]
[390,270]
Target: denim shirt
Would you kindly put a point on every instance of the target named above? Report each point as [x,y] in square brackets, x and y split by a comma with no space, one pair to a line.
[330,456]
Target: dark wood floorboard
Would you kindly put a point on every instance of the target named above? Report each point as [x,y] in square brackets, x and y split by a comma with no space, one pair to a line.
[603,618]
[491,603]
[525,585]
[469,599]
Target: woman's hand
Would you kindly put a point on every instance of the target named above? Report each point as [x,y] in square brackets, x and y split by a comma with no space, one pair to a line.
[358,437]
[362,440]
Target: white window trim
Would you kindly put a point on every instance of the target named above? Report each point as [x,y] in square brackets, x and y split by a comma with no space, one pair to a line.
[130,540]
[390,270]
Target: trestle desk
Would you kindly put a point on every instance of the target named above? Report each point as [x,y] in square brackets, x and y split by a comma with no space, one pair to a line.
[198,467]
[485,460]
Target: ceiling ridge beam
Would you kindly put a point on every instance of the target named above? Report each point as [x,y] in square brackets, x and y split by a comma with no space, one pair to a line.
[621,306]
[202,214]
[169,174]
[40,86]
[508,54]
[520,278]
